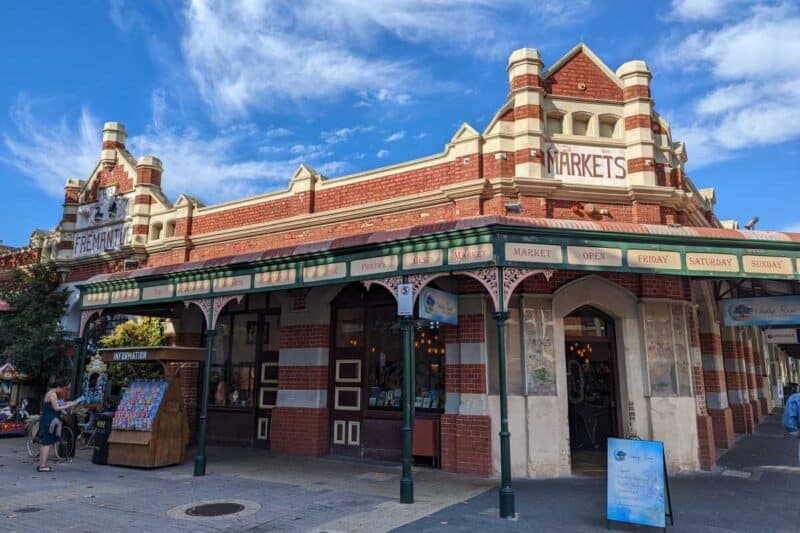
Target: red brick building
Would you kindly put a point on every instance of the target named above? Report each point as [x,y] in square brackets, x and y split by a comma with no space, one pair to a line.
[568,228]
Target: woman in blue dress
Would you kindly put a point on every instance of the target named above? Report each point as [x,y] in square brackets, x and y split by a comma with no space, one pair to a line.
[50,410]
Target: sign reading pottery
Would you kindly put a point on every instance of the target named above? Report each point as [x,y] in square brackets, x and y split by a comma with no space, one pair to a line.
[637,483]
[438,306]
[589,165]
[477,253]
[373,265]
[776,310]
[101,240]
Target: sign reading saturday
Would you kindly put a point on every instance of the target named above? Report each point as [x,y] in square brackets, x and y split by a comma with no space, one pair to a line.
[776,310]
[104,239]
[438,306]
[636,482]
[591,165]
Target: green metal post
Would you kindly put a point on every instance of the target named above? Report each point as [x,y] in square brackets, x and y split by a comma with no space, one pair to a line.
[77,368]
[202,425]
[506,492]
[407,481]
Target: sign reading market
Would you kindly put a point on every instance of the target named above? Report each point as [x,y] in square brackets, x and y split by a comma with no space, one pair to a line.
[587,165]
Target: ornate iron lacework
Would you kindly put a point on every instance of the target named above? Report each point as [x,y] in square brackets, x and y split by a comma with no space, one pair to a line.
[86,316]
[205,306]
[513,277]
[389,283]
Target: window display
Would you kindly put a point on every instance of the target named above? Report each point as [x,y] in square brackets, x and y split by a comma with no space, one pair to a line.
[385,363]
[232,368]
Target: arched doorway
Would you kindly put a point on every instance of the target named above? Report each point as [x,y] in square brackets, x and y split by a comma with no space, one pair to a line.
[592,387]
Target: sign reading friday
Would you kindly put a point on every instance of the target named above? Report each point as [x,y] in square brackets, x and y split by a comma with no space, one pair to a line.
[588,165]
[768,311]
[636,482]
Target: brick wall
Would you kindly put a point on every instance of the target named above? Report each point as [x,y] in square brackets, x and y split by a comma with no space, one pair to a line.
[305,336]
[466,444]
[580,69]
[299,431]
[462,378]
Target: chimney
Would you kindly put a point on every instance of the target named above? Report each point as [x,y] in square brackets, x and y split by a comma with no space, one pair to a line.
[113,137]
[148,170]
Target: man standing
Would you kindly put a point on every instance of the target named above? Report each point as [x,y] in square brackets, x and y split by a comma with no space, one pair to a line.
[791,417]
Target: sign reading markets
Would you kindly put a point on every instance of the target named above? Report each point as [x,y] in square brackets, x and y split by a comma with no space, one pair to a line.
[450,255]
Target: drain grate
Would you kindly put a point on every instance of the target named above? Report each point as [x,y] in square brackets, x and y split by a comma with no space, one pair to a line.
[215,509]
[27,510]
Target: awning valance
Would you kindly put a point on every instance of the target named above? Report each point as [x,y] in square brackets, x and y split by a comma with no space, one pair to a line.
[468,243]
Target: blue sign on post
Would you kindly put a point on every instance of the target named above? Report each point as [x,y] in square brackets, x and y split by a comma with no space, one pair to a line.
[438,306]
[766,311]
[637,482]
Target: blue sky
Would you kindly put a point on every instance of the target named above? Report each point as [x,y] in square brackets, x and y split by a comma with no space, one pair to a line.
[232,96]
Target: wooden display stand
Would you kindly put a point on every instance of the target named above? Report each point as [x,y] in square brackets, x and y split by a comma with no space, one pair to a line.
[164,445]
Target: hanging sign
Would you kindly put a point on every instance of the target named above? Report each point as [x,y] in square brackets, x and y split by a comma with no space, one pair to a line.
[405,299]
[638,490]
[768,311]
[783,336]
[438,306]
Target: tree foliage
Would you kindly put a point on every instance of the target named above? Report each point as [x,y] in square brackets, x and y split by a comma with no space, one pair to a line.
[147,332]
[30,333]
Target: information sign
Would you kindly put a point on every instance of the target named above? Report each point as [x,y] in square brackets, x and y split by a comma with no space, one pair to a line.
[764,311]
[637,483]
[438,306]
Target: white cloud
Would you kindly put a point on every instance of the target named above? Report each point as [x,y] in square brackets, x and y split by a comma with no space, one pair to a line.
[273,133]
[396,136]
[343,134]
[49,153]
[751,66]
[421,135]
[382,153]
[696,10]
[248,54]
[210,166]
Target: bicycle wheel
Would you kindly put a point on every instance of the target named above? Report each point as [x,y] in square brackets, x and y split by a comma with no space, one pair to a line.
[65,447]
[32,443]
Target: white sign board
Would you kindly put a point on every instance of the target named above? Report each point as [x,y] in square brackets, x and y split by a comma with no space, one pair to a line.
[783,336]
[587,165]
[103,239]
[405,299]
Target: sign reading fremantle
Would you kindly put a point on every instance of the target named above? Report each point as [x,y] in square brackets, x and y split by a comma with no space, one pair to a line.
[776,310]
[103,239]
[589,165]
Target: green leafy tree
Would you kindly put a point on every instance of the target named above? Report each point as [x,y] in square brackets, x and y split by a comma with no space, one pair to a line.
[146,332]
[30,333]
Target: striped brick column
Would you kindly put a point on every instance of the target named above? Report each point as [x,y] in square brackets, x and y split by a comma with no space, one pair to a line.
[761,357]
[638,112]
[715,385]
[706,449]
[736,380]
[69,218]
[300,416]
[465,424]
[527,95]
[752,387]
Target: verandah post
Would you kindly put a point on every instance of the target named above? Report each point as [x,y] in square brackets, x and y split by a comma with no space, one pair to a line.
[506,492]
[407,481]
[200,457]
[77,368]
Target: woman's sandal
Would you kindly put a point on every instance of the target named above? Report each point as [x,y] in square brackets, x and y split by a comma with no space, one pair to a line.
[45,469]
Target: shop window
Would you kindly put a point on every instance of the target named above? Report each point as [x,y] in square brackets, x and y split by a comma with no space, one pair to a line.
[539,348]
[350,328]
[608,126]
[555,122]
[580,123]
[667,343]
[385,363]
[233,361]
[155,231]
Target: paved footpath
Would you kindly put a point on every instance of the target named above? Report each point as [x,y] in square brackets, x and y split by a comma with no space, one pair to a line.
[754,489]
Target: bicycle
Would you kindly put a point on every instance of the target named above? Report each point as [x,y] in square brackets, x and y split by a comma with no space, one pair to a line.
[63,450]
